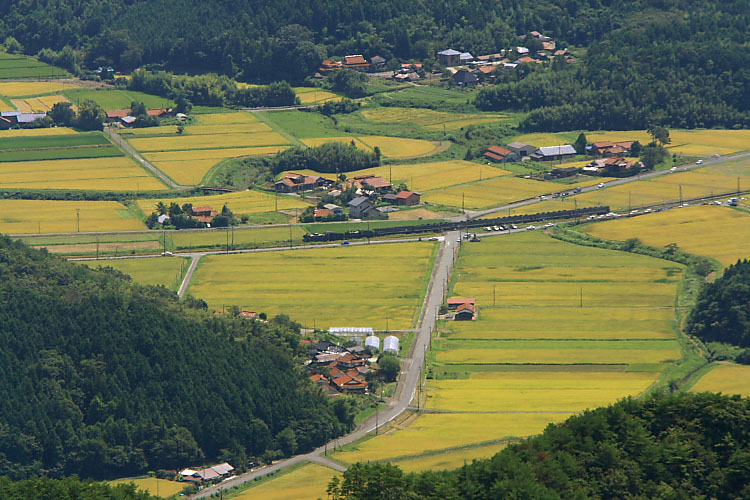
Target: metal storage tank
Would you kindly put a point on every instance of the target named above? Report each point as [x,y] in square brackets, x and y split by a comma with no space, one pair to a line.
[390,344]
[373,342]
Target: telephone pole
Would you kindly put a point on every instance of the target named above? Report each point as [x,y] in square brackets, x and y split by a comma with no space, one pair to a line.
[78,215]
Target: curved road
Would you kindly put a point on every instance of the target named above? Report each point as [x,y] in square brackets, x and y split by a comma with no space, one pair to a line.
[407,384]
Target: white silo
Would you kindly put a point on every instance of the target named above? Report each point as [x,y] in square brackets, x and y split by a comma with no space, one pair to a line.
[373,342]
[390,344]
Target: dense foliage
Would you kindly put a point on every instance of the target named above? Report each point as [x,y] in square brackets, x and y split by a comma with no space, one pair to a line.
[722,311]
[68,489]
[103,377]
[664,447]
[331,157]
[681,63]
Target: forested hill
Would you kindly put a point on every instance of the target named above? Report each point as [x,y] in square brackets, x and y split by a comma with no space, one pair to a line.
[673,447]
[102,377]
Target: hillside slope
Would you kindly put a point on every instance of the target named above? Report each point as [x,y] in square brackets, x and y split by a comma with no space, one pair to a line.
[103,377]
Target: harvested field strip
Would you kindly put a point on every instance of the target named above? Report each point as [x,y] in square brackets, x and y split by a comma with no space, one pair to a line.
[208,142]
[45,216]
[171,130]
[565,391]
[433,431]
[727,379]
[553,355]
[207,154]
[322,286]
[711,231]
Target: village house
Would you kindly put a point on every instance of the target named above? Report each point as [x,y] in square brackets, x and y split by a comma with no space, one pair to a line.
[370,182]
[293,183]
[362,208]
[207,474]
[465,57]
[560,173]
[554,153]
[355,62]
[449,57]
[115,115]
[335,209]
[609,148]
[521,149]
[499,154]
[465,312]
[321,214]
[612,164]
[377,61]
[407,198]
[329,65]
[454,302]
[464,78]
[204,214]
[484,72]
[347,383]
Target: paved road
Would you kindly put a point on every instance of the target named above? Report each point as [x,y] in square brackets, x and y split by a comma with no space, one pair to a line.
[188,276]
[407,384]
[140,159]
[616,182]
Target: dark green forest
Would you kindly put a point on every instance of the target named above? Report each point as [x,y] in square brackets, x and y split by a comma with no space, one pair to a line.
[68,489]
[103,377]
[678,63]
[667,447]
[722,311]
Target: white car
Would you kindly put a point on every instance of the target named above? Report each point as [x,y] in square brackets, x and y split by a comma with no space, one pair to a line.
[600,185]
[699,162]
[496,228]
[166,254]
[488,228]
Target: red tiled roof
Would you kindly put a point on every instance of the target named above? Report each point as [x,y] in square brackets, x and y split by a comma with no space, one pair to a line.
[527,59]
[465,306]
[118,113]
[355,60]
[377,182]
[603,144]
[248,314]
[499,150]
[486,69]
[493,156]
[317,377]
[459,300]
[323,212]
[625,144]
[404,195]
[155,112]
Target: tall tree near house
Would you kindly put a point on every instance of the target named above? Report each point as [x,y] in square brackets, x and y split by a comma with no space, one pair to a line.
[580,144]
[659,134]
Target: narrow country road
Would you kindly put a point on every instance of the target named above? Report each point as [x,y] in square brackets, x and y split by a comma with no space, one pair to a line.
[140,159]
[188,275]
[407,383]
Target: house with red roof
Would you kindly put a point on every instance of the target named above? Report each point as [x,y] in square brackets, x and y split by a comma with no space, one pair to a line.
[500,154]
[407,198]
[356,61]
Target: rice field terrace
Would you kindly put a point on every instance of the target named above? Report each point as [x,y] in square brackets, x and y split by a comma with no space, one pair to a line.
[188,157]
[726,378]
[49,216]
[380,286]
[717,232]
[435,121]
[18,66]
[451,459]
[163,271]
[686,142]
[699,182]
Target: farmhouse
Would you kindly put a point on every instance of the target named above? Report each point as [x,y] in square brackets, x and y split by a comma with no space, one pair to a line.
[362,208]
[347,383]
[322,213]
[560,173]
[390,198]
[465,312]
[449,57]
[377,61]
[499,154]
[293,183]
[612,164]
[369,182]
[464,78]
[407,198]
[465,57]
[355,61]
[455,302]
[521,149]
[554,153]
[115,115]
[329,65]
[337,210]
[608,148]
[207,474]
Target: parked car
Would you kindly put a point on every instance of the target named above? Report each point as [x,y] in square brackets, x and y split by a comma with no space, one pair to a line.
[345,242]
[167,254]
[699,162]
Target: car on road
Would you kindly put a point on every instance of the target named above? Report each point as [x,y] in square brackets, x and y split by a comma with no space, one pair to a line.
[673,169]
[167,254]
[716,155]
[600,185]
[577,190]
[432,239]
[488,228]
[345,242]
[513,226]
[699,162]
[496,228]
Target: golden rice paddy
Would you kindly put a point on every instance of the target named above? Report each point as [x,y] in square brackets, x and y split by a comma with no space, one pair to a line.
[430,119]
[153,485]
[726,378]
[36,132]
[452,459]
[25,89]
[437,431]
[559,391]
[47,216]
[183,142]
[342,286]
[225,118]
[310,481]
[113,174]
[38,104]
[711,231]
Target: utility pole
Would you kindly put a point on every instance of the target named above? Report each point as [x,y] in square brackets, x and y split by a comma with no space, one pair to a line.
[227,231]
[680,193]
[290,236]
[78,214]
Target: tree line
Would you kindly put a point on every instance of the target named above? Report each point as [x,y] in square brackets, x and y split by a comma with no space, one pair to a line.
[106,378]
[662,447]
